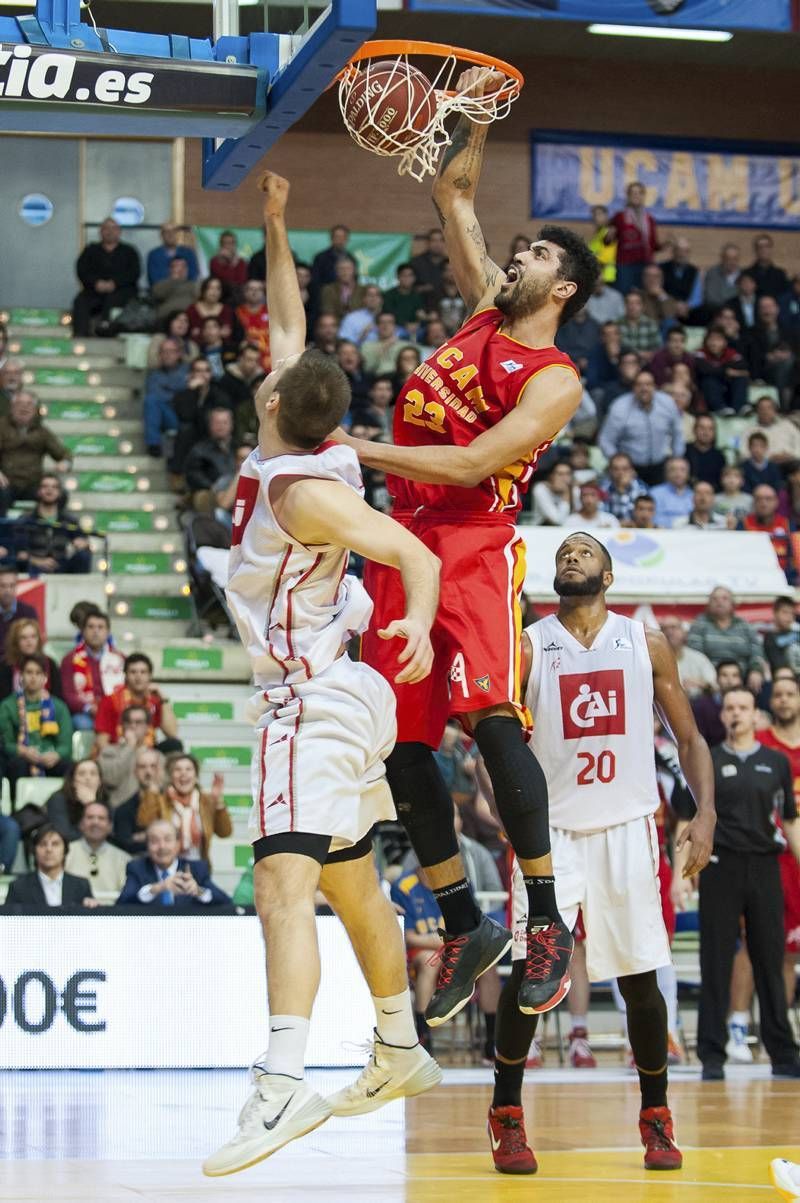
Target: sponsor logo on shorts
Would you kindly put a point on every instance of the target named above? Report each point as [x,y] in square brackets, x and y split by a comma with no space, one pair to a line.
[592,703]
[483,682]
[279,801]
[458,673]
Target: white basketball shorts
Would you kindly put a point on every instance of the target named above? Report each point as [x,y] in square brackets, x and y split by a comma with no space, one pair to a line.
[318,765]
[612,875]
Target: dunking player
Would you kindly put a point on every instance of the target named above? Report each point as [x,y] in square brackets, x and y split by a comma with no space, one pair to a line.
[469,425]
[592,679]
[324,722]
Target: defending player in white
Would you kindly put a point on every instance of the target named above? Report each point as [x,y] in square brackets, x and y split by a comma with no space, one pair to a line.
[592,679]
[324,723]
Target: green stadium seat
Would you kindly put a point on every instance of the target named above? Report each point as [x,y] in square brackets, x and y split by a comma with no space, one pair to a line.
[82,743]
[5,798]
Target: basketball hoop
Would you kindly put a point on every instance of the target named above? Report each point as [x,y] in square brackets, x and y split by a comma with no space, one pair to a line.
[413,128]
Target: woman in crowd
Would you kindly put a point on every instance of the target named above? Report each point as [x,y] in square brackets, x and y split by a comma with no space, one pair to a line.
[554,499]
[197,815]
[82,785]
[407,361]
[24,638]
[210,304]
[176,326]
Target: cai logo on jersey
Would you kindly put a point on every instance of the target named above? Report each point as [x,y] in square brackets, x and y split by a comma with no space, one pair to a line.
[593,703]
[246,496]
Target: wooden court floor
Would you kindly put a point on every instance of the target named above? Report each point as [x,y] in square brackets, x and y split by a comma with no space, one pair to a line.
[127,1137]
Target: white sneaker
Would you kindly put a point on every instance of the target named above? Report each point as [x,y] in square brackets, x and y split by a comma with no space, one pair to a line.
[390,1073]
[278,1110]
[737,1049]
[785,1177]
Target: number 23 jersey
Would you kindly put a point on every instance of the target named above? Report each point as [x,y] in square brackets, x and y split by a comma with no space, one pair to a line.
[593,723]
[461,390]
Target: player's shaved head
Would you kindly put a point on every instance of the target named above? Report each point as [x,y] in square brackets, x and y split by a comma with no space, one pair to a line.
[586,537]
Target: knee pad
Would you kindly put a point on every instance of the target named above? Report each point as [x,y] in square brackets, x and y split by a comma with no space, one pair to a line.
[519,784]
[423,802]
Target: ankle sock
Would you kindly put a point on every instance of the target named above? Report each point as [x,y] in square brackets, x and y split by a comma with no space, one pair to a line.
[288,1037]
[394,1019]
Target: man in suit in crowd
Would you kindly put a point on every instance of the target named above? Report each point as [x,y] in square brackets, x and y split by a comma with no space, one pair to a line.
[163,879]
[49,885]
[147,776]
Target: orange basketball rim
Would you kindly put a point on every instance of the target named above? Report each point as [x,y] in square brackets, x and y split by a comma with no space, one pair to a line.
[418,155]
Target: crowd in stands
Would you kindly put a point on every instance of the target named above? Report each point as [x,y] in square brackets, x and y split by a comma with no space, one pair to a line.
[690,419]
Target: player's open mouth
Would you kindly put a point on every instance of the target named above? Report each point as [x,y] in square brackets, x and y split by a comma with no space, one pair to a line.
[512,274]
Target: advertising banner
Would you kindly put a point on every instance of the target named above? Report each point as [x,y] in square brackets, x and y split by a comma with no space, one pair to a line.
[378,255]
[687,182]
[662,564]
[153,992]
[697,14]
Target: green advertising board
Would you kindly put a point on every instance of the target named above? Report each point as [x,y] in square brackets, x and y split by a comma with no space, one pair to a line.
[75,411]
[35,317]
[164,609]
[140,563]
[378,255]
[91,444]
[195,712]
[192,659]
[227,756]
[120,522]
[61,347]
[59,377]
[106,482]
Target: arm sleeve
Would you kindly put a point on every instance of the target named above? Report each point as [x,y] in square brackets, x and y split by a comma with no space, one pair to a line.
[86,269]
[130,892]
[54,447]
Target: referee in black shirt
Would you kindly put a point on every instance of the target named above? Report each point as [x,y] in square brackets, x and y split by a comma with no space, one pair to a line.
[752,783]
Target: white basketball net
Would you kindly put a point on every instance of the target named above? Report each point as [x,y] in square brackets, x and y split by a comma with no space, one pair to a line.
[419,150]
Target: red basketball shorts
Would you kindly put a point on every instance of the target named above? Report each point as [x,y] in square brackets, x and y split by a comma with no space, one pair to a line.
[790,880]
[477,631]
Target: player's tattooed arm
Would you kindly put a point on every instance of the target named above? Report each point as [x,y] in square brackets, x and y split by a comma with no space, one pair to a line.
[454,189]
[695,842]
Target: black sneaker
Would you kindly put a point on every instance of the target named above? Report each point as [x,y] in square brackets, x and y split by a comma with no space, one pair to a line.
[786,1069]
[462,960]
[713,1073]
[546,980]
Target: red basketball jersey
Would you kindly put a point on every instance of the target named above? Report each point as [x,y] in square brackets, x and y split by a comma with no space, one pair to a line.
[464,388]
[770,740]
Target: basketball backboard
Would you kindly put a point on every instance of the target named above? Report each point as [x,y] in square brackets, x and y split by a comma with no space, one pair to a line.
[239,94]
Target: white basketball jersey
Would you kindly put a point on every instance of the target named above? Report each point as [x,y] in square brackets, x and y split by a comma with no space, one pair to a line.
[294,606]
[593,723]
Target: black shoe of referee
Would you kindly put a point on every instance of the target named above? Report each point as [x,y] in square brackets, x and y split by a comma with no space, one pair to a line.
[462,960]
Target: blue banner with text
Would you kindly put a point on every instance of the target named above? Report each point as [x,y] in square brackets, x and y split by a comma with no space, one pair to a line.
[697,14]
[688,182]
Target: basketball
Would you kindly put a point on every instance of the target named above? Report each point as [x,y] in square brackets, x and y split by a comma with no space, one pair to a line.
[390,107]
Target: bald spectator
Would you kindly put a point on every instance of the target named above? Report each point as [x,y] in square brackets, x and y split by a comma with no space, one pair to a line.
[24,442]
[783,437]
[646,425]
[682,278]
[161,257]
[721,634]
[175,291]
[656,301]
[109,273]
[770,280]
[360,325]
[674,498]
[695,670]
[702,515]
[147,780]
[706,461]
[766,519]
[10,383]
[639,332]
[719,284]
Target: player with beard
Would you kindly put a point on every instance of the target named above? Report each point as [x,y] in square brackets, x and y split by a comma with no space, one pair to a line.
[784,736]
[591,681]
[469,426]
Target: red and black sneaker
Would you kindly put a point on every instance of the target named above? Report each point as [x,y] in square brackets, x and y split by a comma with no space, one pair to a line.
[546,980]
[510,1150]
[658,1138]
[462,960]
